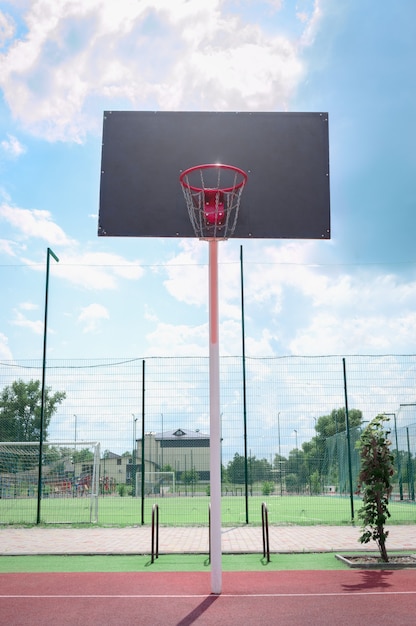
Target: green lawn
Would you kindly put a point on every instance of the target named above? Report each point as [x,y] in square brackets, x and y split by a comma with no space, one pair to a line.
[167,563]
[188,510]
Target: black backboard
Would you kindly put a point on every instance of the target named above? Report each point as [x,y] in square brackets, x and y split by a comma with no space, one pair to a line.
[285,155]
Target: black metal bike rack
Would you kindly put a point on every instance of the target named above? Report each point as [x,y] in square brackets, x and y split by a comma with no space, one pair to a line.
[265,529]
[155,532]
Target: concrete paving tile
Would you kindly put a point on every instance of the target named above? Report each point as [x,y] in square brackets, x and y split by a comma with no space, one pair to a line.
[241,539]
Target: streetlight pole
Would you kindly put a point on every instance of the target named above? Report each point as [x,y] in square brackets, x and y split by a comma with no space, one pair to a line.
[162,446]
[162,465]
[75,433]
[296,437]
[49,253]
[221,440]
[347,429]
[280,453]
[278,431]
[410,480]
[399,467]
[133,469]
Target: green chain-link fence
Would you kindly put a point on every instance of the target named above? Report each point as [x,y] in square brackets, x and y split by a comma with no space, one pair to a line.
[149,421]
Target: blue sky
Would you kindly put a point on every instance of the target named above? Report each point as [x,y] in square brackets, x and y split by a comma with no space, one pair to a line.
[63,63]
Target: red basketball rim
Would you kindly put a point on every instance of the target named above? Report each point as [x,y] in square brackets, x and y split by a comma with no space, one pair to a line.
[206,166]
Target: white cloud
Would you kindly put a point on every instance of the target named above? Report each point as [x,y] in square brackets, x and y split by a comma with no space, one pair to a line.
[8,247]
[91,270]
[150,315]
[5,352]
[328,308]
[77,56]
[28,306]
[91,316]
[7,28]
[12,147]
[336,310]
[36,326]
[187,273]
[231,341]
[98,270]
[178,340]
[34,223]
[331,334]
[295,305]
[311,21]
[278,267]
[170,339]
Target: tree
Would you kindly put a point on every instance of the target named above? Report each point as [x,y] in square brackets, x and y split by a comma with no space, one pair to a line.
[190,478]
[257,469]
[55,457]
[278,461]
[297,475]
[83,456]
[326,427]
[313,462]
[236,469]
[335,422]
[292,483]
[20,410]
[315,483]
[375,483]
[52,454]
[267,488]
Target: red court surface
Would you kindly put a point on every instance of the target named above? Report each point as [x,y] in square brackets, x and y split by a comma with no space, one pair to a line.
[337,597]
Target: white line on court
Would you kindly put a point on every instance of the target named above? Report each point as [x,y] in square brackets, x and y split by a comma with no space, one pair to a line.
[208,595]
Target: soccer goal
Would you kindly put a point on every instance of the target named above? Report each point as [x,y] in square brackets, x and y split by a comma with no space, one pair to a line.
[70,480]
[156,483]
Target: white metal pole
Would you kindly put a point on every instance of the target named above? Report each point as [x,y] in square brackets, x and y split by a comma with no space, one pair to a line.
[215,429]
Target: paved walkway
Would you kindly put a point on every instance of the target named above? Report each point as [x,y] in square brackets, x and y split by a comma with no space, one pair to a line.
[241,539]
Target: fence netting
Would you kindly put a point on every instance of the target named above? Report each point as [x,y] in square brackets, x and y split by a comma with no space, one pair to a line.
[122,434]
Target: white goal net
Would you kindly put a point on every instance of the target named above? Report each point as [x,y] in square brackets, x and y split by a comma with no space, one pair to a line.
[70,475]
[156,483]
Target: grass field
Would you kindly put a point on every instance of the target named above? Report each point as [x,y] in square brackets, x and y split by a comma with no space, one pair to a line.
[167,563]
[189,511]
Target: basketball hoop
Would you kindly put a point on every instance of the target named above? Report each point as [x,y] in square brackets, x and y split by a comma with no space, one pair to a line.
[212,194]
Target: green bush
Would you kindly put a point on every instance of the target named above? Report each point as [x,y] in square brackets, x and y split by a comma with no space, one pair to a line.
[267,488]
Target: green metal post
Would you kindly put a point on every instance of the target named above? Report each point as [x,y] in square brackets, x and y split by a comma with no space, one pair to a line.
[134,458]
[410,480]
[49,252]
[399,465]
[347,427]
[410,466]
